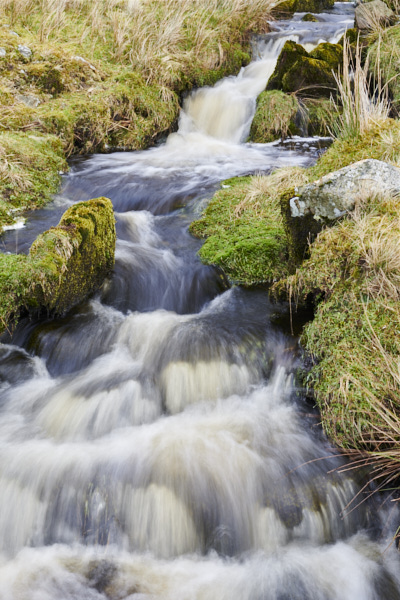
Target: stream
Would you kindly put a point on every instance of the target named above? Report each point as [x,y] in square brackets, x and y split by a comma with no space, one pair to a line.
[153,443]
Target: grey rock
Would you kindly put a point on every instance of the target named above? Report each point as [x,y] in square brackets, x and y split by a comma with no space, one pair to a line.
[373,13]
[335,194]
[83,60]
[3,52]
[25,51]
[28,100]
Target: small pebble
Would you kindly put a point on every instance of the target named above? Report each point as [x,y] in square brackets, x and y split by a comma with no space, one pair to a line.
[25,51]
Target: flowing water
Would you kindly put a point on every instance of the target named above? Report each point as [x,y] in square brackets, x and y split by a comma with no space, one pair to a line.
[152,443]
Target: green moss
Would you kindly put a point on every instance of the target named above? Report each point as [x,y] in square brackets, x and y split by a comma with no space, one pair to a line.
[380,142]
[75,257]
[30,167]
[275,117]
[309,6]
[332,54]
[309,77]
[16,277]
[65,264]
[246,239]
[307,74]
[289,55]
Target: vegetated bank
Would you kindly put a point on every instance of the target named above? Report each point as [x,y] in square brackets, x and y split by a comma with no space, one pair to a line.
[350,270]
[96,75]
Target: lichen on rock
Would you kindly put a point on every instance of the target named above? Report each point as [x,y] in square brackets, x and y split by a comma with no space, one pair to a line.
[316,204]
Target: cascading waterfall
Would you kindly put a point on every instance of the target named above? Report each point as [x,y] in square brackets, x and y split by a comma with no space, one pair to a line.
[152,443]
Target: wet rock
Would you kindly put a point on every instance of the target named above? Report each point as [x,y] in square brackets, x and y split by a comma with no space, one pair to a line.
[322,202]
[25,51]
[308,17]
[75,257]
[308,74]
[372,14]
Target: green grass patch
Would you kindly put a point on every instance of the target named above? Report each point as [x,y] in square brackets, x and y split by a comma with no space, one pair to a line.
[243,227]
[30,167]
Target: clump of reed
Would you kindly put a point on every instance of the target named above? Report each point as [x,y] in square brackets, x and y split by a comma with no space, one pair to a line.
[363,98]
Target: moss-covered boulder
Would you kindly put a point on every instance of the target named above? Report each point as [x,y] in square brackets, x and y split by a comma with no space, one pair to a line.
[244,232]
[332,54]
[65,264]
[310,18]
[289,7]
[289,55]
[307,74]
[324,201]
[309,77]
[277,116]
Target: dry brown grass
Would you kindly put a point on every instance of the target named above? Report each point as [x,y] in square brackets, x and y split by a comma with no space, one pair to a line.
[157,38]
[268,188]
[359,109]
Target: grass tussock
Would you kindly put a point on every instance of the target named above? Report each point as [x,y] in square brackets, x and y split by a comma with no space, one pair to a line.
[385,52]
[359,109]
[244,230]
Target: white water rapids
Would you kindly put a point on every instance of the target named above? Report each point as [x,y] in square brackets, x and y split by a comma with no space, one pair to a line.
[153,444]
